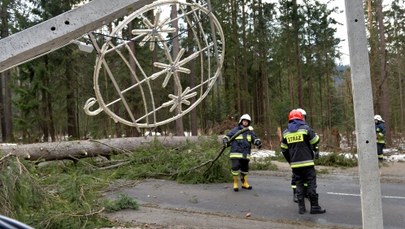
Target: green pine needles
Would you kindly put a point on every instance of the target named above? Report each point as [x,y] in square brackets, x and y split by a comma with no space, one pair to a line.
[64,194]
[122,202]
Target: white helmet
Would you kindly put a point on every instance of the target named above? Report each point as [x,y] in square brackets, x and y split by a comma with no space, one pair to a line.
[303,112]
[245,117]
[378,118]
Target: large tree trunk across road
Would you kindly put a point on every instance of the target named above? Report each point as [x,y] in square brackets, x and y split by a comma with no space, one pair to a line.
[74,150]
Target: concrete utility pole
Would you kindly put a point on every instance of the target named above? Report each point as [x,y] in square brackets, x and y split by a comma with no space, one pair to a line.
[370,188]
[59,31]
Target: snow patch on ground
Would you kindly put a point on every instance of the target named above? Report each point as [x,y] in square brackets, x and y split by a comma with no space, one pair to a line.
[263,154]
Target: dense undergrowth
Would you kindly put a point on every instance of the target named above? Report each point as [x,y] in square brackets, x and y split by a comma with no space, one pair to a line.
[63,194]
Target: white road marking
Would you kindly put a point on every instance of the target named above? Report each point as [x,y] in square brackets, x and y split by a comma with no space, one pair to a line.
[348,194]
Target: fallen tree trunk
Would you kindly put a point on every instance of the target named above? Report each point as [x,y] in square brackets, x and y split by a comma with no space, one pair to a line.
[75,150]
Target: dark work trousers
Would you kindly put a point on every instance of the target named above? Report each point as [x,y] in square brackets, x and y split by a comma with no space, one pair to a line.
[306,175]
[294,183]
[240,164]
[380,148]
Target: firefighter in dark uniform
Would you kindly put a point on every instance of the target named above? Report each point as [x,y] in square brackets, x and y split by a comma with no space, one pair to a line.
[380,131]
[297,146]
[240,151]
[316,154]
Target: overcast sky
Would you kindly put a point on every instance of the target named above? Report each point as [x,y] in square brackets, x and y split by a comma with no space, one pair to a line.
[341,29]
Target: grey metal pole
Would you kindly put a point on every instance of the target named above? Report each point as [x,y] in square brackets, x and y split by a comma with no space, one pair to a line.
[370,188]
[59,31]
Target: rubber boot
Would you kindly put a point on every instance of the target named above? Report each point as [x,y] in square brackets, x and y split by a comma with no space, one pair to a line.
[245,184]
[301,206]
[315,208]
[295,198]
[235,183]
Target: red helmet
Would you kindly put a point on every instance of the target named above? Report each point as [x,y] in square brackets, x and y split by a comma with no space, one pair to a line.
[295,114]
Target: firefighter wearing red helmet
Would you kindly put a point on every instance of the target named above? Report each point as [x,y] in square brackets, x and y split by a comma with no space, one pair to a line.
[296,145]
[316,154]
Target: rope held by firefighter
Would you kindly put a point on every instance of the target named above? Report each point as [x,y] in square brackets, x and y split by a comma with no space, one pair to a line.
[249,128]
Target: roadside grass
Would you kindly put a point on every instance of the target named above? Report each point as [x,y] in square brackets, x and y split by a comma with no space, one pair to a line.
[336,160]
[63,194]
[263,164]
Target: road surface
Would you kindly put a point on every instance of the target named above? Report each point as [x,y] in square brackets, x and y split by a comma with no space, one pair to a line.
[167,204]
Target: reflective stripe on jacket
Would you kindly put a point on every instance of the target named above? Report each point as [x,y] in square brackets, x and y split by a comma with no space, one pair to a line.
[297,144]
[380,131]
[242,144]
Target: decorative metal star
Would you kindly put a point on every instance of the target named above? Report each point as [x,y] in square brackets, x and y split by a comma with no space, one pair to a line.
[178,100]
[176,66]
[154,31]
[173,68]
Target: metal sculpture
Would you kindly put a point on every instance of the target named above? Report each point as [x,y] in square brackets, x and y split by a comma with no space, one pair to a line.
[132,95]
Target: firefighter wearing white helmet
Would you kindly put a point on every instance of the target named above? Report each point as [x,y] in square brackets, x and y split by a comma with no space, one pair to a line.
[240,151]
[303,112]
[245,117]
[380,131]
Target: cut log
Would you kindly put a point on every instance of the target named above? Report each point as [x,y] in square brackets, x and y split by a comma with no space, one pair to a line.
[74,150]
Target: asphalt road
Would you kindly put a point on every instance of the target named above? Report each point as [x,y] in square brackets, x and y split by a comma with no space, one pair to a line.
[269,203]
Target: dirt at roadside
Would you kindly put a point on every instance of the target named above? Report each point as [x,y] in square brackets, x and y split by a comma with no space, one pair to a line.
[390,172]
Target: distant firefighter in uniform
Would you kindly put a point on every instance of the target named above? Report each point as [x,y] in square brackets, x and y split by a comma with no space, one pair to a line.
[240,151]
[380,131]
[297,146]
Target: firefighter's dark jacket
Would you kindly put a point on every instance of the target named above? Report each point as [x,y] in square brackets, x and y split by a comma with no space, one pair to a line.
[297,144]
[241,146]
[380,130]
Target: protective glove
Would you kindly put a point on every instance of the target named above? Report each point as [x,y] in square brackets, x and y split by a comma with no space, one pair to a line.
[316,152]
[226,142]
[258,143]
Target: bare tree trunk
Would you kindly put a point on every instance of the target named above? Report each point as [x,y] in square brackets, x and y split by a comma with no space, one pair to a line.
[373,37]
[216,88]
[175,52]
[70,103]
[6,113]
[397,70]
[244,82]
[131,131]
[74,150]
[192,78]
[384,91]
[47,122]
[5,93]
[235,62]
[297,53]
[401,96]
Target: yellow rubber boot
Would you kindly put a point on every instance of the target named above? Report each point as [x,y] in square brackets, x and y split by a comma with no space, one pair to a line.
[245,183]
[235,183]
